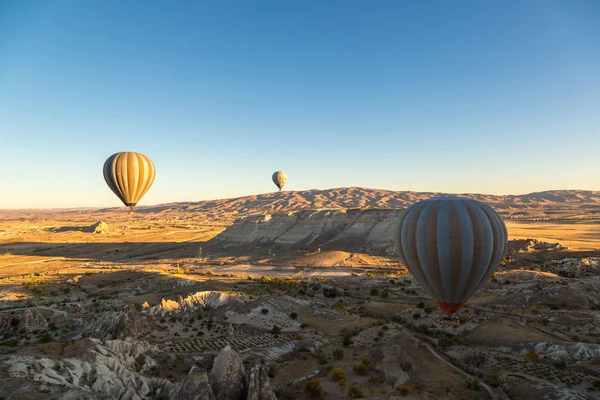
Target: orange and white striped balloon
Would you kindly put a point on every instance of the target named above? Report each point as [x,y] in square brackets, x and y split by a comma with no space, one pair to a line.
[129,175]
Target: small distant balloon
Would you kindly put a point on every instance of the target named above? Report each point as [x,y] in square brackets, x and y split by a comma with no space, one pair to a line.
[451,246]
[129,175]
[279,179]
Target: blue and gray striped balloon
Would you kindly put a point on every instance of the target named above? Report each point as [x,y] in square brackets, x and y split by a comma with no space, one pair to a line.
[451,245]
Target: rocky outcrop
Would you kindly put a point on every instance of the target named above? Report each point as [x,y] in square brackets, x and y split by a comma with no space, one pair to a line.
[532,245]
[568,352]
[100,227]
[135,355]
[259,386]
[32,320]
[194,387]
[391,368]
[347,230]
[228,377]
[196,301]
[576,267]
[105,368]
[114,325]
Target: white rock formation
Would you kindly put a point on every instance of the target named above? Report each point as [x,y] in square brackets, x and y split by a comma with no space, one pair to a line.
[206,299]
[228,377]
[100,227]
[390,366]
[194,387]
[114,324]
[105,369]
[568,352]
[259,385]
[372,230]
[32,320]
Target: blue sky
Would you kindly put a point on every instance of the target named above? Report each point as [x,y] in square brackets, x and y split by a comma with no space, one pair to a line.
[466,96]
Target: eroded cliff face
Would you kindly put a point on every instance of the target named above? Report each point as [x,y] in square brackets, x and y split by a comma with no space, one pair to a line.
[352,230]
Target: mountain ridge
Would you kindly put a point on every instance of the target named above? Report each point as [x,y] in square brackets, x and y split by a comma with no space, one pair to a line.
[559,200]
[356,197]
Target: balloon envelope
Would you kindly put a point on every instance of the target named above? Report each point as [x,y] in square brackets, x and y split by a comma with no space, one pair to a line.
[129,175]
[280,178]
[451,246]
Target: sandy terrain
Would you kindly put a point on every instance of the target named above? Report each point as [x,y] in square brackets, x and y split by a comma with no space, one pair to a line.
[134,305]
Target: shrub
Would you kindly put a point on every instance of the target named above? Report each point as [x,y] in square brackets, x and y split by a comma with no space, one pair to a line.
[293,315]
[298,337]
[376,379]
[445,341]
[360,369]
[533,356]
[347,341]
[264,311]
[342,384]
[337,374]
[406,365]
[355,393]
[429,309]
[337,353]
[416,315]
[328,367]
[560,364]
[276,330]
[404,390]
[374,291]
[45,337]
[472,383]
[65,289]
[366,360]
[11,342]
[421,305]
[313,388]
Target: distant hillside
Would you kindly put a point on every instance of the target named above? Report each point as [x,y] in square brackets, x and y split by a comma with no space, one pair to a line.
[540,204]
[552,203]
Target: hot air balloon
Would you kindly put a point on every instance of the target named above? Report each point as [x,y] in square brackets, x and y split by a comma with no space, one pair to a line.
[451,245]
[129,175]
[279,179]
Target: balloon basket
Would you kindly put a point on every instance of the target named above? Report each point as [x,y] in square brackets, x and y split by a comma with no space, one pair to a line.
[451,320]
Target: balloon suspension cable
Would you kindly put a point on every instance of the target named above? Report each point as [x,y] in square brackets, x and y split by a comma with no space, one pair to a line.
[131,208]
